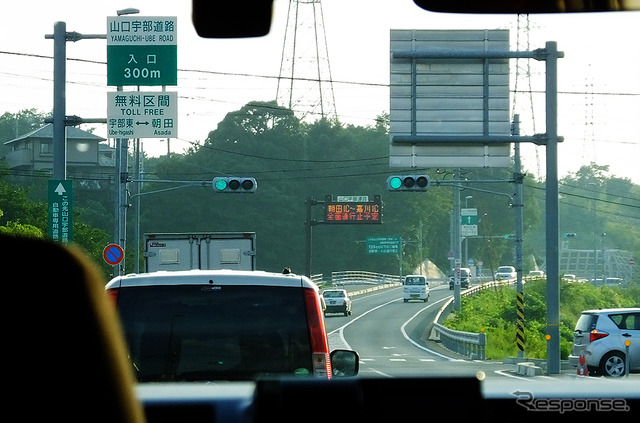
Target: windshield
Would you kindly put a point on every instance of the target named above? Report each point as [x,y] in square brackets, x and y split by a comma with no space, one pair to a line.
[333,294]
[352,156]
[415,281]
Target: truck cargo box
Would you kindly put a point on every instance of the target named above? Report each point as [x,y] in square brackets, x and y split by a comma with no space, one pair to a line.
[216,250]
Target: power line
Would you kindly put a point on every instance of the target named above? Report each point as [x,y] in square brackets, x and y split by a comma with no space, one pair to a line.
[357,83]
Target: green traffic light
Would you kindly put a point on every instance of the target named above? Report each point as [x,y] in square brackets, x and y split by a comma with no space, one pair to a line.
[395,182]
[221,184]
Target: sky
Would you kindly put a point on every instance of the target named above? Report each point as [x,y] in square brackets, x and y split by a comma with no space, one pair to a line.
[599,77]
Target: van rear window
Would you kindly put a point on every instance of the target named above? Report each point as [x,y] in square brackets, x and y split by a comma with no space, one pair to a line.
[216,332]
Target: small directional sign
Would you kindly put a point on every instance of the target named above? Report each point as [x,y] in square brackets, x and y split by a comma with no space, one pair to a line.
[142,114]
[60,194]
[469,222]
[113,254]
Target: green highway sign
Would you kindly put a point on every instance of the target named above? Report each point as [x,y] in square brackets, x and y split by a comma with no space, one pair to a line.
[142,50]
[60,194]
[384,245]
[469,222]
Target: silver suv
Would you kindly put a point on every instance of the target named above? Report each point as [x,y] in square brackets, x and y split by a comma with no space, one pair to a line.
[600,337]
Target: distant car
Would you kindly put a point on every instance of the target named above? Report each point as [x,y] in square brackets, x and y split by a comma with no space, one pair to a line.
[570,277]
[209,325]
[337,301]
[415,287]
[505,272]
[600,337]
[613,282]
[465,278]
[610,282]
[536,274]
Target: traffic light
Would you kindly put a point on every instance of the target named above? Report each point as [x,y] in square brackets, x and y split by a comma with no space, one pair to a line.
[234,184]
[416,183]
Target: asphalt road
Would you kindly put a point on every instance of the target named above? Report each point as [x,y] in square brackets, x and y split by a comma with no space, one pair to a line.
[392,339]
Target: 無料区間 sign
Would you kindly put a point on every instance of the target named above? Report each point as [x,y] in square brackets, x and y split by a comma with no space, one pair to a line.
[142,50]
[358,212]
[142,114]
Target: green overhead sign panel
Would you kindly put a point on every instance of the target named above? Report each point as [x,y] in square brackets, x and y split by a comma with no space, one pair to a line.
[384,245]
[142,50]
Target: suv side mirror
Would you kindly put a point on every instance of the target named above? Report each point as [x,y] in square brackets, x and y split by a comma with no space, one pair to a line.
[345,363]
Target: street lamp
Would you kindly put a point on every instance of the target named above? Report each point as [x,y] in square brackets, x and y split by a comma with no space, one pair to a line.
[595,242]
[128,11]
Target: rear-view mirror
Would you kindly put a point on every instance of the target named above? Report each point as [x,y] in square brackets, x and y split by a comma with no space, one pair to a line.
[527,6]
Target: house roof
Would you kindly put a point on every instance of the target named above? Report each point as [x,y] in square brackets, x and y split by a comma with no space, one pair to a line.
[46,132]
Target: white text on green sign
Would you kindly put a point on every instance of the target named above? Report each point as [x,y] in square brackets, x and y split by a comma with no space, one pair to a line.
[383,245]
[60,195]
[142,51]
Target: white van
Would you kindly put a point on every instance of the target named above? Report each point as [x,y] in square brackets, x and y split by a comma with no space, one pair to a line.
[416,287]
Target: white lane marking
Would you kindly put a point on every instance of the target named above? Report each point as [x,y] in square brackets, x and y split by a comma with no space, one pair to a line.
[404,332]
[340,330]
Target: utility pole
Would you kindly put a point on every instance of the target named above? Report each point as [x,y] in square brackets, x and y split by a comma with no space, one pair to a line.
[457,246]
[518,206]
[60,120]
[552,221]
[59,100]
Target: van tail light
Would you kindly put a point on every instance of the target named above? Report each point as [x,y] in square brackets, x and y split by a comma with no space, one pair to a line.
[112,294]
[595,335]
[317,334]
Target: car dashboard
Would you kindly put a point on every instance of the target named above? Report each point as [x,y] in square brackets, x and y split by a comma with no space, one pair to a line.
[400,399]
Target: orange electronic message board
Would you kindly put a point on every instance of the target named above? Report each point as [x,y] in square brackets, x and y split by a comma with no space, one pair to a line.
[352,209]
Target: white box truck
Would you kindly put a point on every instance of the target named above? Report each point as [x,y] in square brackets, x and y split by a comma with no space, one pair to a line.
[206,251]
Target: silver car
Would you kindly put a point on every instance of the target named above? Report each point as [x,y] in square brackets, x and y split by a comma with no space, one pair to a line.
[337,301]
[506,272]
[601,338]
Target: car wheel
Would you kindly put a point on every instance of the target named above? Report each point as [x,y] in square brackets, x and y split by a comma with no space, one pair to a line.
[612,364]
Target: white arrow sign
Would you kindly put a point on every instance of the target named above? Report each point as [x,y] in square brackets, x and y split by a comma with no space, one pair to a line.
[60,189]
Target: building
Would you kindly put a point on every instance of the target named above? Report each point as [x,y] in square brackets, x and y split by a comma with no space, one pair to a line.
[88,157]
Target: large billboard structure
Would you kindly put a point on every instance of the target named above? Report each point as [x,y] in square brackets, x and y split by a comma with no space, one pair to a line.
[445,102]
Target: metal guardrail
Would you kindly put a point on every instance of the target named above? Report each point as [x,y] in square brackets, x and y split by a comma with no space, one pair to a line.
[465,343]
[355,277]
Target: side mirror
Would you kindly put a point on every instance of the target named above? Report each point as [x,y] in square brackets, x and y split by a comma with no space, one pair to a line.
[345,363]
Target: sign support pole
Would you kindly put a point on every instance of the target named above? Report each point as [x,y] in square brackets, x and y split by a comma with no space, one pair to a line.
[552,223]
[457,243]
[518,207]
[59,100]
